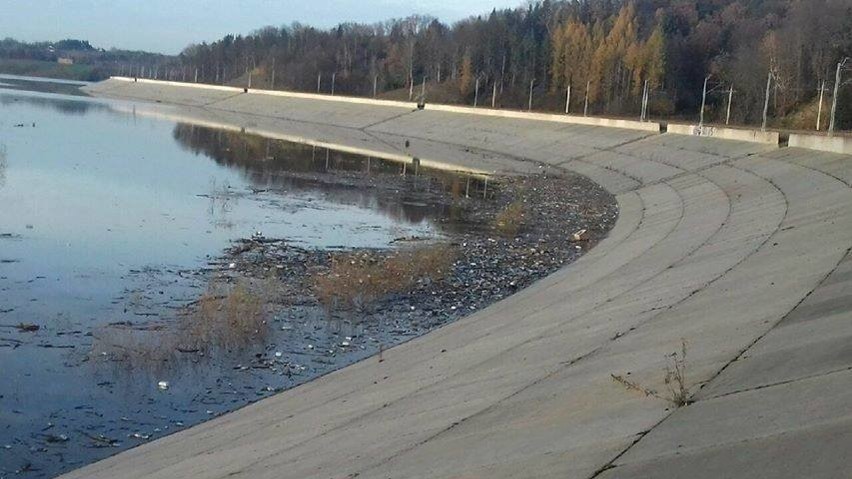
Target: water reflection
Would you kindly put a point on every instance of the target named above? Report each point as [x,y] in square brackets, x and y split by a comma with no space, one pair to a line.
[2,165]
[276,165]
[67,106]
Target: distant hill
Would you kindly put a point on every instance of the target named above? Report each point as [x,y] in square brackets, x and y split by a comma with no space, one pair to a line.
[71,59]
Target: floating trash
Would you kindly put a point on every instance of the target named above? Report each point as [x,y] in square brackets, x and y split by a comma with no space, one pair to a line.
[56,438]
[163,385]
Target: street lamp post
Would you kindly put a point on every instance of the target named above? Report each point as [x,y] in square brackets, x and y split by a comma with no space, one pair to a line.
[840,67]
[703,101]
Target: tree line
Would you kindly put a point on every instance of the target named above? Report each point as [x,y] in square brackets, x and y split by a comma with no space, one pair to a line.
[612,54]
[605,50]
[90,63]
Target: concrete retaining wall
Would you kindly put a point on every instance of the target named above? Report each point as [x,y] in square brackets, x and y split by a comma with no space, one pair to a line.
[833,144]
[754,136]
[521,115]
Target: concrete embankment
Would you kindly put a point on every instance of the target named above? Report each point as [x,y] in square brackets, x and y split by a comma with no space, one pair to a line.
[737,248]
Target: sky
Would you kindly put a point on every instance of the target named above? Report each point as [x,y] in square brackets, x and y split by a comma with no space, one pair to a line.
[167,26]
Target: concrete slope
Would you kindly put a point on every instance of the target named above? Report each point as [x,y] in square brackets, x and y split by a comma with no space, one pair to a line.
[739,249]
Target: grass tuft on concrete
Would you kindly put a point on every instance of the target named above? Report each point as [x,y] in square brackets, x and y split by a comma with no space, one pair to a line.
[675,379]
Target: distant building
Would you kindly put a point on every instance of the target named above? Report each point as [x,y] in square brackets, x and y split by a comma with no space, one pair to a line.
[65,61]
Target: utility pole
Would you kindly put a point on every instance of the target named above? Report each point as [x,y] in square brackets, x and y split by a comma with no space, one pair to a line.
[568,99]
[375,85]
[196,76]
[529,106]
[730,98]
[766,101]
[703,101]
[586,101]
[476,93]
[333,80]
[319,81]
[819,109]
[840,66]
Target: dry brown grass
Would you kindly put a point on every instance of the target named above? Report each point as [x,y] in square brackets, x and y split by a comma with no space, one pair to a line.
[224,317]
[510,221]
[357,279]
[228,317]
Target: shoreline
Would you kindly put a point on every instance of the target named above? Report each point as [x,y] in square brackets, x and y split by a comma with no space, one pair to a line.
[303,343]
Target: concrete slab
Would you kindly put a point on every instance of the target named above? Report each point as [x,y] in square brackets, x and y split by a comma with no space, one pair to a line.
[797,429]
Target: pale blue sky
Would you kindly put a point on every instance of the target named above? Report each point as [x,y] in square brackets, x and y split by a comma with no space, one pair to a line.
[169,25]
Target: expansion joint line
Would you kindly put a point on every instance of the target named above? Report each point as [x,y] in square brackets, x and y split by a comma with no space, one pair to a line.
[611,464]
[562,366]
[220,100]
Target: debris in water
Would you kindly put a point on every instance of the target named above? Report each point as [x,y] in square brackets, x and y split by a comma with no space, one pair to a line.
[55,438]
[581,235]
[163,385]
[22,327]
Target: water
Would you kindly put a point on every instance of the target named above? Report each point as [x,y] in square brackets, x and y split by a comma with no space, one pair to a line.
[98,204]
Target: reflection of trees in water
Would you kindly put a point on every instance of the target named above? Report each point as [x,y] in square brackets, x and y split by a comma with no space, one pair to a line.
[65,106]
[276,164]
[2,165]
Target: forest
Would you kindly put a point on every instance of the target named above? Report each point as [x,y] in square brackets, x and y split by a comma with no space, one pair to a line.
[605,50]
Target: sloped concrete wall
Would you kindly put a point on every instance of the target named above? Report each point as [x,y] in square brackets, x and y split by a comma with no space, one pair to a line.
[739,248]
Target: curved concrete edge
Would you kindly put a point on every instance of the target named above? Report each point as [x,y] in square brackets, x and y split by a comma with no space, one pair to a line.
[831,144]
[550,117]
[754,136]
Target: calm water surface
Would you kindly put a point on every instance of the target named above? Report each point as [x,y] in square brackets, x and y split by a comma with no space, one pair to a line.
[97,202]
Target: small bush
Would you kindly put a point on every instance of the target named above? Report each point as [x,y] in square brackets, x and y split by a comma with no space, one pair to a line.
[224,317]
[228,318]
[357,279]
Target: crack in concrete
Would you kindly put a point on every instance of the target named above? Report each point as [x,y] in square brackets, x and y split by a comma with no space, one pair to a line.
[611,465]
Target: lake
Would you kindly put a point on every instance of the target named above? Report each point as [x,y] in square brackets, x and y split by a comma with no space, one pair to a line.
[112,216]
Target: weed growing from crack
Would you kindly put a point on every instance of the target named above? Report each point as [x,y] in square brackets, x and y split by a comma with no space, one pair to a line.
[675,380]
